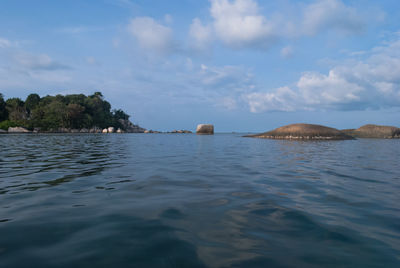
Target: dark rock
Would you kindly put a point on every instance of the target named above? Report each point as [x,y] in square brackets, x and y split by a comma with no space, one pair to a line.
[130,127]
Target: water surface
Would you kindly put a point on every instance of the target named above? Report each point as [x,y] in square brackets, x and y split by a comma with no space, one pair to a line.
[160,200]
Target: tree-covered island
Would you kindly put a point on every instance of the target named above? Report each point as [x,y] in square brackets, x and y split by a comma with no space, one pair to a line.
[69,113]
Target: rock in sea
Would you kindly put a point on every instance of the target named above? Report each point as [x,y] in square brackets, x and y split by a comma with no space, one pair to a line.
[111,130]
[17,130]
[303,132]
[374,132]
[205,129]
[105,130]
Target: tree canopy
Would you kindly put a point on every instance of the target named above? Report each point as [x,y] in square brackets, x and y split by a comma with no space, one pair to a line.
[49,113]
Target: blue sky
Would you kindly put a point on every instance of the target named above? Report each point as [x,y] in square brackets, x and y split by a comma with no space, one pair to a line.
[243,65]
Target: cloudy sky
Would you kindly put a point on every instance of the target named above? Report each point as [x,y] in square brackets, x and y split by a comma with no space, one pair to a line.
[243,65]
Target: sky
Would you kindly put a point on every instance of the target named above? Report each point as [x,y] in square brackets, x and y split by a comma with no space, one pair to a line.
[242,65]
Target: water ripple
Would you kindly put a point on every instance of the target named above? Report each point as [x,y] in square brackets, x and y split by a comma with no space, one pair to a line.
[197,201]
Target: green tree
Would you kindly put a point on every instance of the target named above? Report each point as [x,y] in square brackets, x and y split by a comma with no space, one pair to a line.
[54,115]
[119,114]
[75,115]
[54,112]
[76,99]
[16,110]
[3,109]
[31,102]
[99,110]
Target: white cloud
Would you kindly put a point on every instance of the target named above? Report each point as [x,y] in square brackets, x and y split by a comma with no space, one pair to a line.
[243,24]
[331,14]
[239,24]
[200,34]
[151,35]
[283,99]
[372,83]
[319,89]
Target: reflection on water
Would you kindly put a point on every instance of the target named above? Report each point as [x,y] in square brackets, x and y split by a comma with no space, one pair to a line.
[197,201]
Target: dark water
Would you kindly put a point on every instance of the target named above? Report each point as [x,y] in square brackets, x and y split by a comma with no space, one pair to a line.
[139,200]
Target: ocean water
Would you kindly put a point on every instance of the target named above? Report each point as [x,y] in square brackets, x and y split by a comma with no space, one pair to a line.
[165,200]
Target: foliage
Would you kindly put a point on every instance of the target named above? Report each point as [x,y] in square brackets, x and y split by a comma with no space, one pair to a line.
[16,109]
[6,124]
[31,102]
[3,109]
[54,112]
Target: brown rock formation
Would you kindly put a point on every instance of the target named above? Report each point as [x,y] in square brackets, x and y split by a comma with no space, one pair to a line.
[375,132]
[205,129]
[303,132]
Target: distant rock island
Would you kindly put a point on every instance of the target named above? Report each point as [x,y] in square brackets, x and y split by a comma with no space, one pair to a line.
[303,132]
[374,132]
[75,113]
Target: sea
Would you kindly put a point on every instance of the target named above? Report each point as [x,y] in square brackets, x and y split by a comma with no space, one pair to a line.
[186,200]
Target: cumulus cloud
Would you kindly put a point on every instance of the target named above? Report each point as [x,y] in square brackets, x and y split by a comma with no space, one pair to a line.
[372,83]
[151,35]
[283,99]
[243,24]
[331,14]
[240,24]
[326,90]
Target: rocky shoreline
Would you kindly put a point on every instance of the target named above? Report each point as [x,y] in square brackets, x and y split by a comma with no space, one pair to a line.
[127,127]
